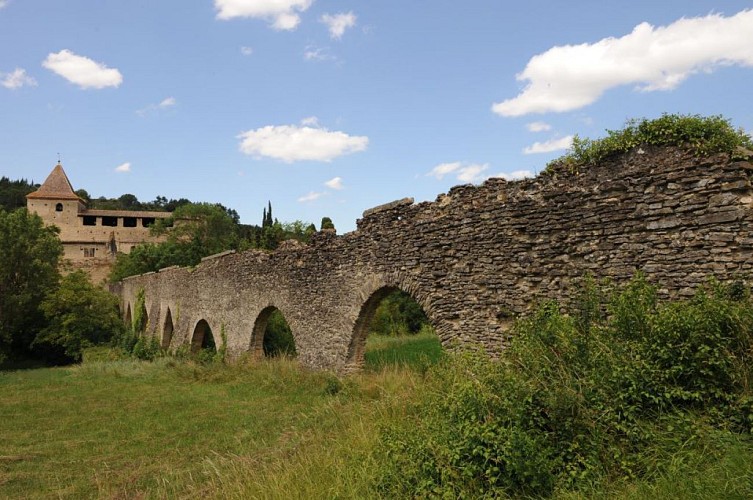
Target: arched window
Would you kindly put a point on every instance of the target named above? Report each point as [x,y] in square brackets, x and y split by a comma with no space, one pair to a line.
[59,207]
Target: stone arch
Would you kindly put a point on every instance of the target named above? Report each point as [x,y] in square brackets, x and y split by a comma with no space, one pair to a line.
[167,329]
[128,319]
[256,346]
[355,359]
[202,336]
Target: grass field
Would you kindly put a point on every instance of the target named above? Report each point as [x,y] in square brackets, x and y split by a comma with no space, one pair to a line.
[130,429]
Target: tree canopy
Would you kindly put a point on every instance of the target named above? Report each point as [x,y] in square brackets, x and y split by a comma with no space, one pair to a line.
[29,255]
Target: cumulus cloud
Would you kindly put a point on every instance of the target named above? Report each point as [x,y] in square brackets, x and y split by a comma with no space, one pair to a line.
[291,143]
[335,183]
[123,167]
[16,79]
[514,175]
[82,71]
[549,146]
[310,121]
[474,172]
[247,51]
[165,103]
[168,102]
[314,53]
[282,14]
[538,127]
[464,172]
[311,196]
[570,77]
[338,23]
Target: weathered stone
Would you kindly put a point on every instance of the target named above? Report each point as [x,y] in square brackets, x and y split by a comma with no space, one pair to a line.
[476,251]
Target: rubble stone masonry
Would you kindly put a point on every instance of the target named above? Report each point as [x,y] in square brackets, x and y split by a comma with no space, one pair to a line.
[474,258]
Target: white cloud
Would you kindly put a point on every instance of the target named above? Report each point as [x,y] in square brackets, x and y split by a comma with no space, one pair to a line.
[311,196]
[549,146]
[538,127]
[310,121]
[291,143]
[464,172]
[335,183]
[472,173]
[247,51]
[3,3]
[165,103]
[17,79]
[82,71]
[443,169]
[283,14]
[338,23]
[123,167]
[515,175]
[569,77]
[314,53]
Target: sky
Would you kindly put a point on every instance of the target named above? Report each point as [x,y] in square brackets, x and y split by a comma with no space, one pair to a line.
[328,108]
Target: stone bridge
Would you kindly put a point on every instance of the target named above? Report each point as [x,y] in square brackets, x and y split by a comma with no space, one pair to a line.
[473,259]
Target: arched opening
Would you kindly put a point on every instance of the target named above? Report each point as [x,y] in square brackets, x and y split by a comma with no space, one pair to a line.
[272,336]
[59,207]
[392,329]
[167,330]
[128,317]
[202,338]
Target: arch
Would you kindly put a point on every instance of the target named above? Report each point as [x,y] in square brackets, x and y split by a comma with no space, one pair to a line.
[59,207]
[202,337]
[363,324]
[128,317]
[259,348]
[167,329]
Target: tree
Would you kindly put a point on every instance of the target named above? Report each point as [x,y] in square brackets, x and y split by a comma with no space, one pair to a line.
[29,255]
[79,315]
[327,224]
[194,230]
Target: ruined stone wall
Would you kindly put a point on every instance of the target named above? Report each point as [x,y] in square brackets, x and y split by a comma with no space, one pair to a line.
[476,256]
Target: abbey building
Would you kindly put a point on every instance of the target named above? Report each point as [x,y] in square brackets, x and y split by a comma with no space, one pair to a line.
[91,238]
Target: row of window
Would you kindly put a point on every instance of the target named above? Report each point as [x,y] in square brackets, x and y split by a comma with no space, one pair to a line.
[91,220]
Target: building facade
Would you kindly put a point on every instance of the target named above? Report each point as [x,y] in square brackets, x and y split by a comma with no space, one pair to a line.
[90,238]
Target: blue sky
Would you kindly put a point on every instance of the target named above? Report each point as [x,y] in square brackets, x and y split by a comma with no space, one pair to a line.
[328,108]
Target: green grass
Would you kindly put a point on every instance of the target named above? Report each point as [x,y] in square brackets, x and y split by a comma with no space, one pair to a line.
[139,429]
[167,429]
[414,351]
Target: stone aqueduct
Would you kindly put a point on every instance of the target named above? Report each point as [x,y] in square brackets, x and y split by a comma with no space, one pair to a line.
[473,258]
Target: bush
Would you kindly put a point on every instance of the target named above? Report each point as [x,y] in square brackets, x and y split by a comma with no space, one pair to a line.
[703,135]
[579,398]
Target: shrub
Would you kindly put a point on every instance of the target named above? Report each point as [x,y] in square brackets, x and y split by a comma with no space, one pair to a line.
[703,135]
[607,389]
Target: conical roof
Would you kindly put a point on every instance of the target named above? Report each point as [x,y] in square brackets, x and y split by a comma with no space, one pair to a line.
[56,187]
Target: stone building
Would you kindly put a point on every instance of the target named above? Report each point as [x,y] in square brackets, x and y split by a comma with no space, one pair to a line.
[91,238]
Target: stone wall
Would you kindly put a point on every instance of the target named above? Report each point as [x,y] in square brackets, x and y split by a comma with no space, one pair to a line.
[475,257]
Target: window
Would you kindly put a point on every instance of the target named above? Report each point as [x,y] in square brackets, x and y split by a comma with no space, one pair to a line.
[89,252]
[147,221]
[59,207]
[90,220]
[129,221]
[110,221]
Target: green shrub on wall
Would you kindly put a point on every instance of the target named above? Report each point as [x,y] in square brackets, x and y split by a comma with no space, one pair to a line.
[703,135]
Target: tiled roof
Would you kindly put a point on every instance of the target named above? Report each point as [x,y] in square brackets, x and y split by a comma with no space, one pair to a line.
[56,187]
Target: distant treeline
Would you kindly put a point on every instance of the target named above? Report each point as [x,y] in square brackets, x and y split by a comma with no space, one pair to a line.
[13,193]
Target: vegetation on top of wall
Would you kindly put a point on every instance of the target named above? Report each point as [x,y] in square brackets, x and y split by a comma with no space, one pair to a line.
[703,135]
